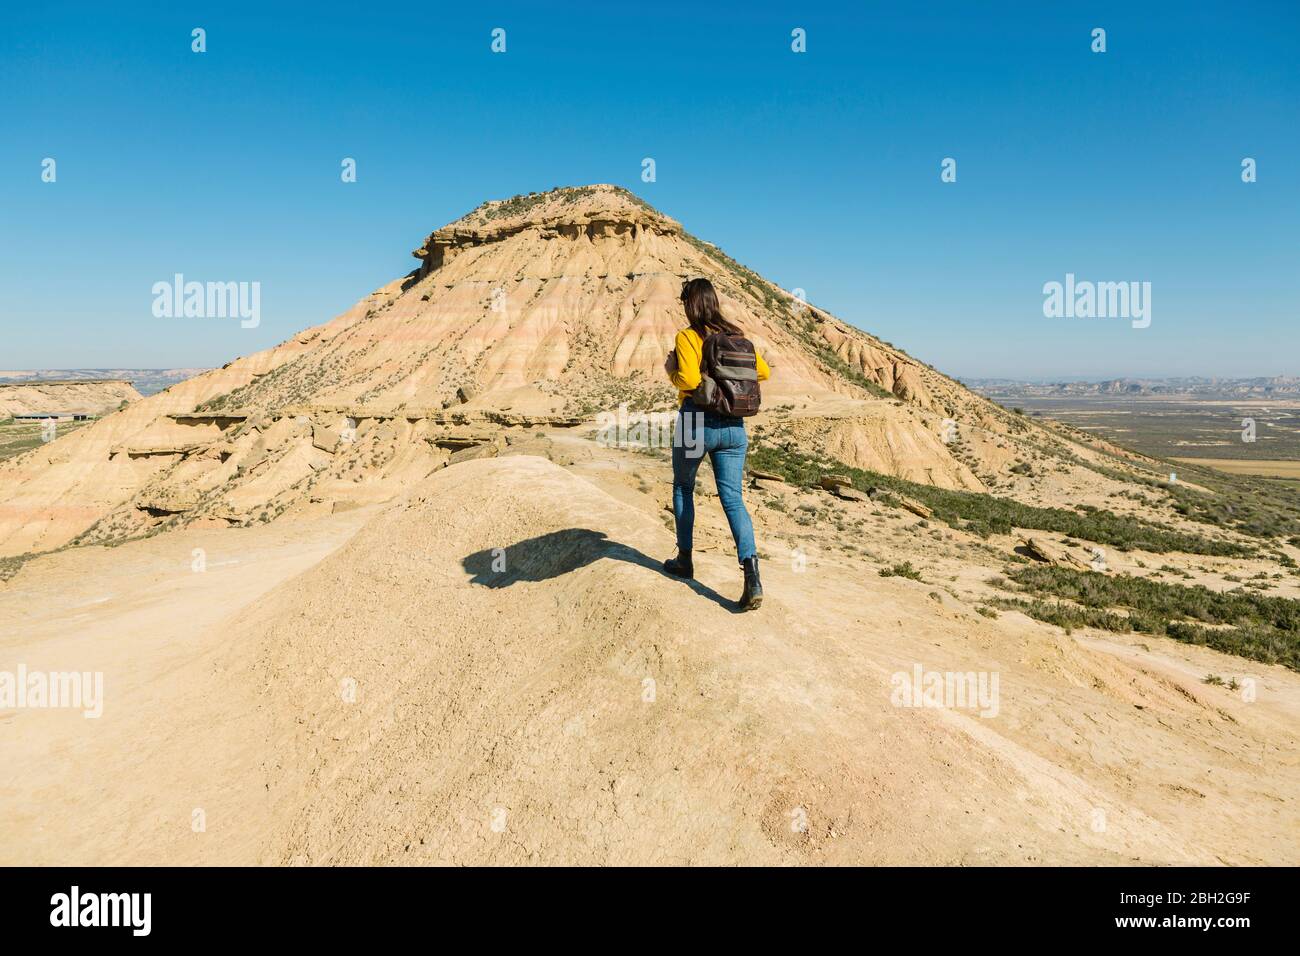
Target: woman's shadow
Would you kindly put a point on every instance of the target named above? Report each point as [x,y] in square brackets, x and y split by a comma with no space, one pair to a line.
[559,552]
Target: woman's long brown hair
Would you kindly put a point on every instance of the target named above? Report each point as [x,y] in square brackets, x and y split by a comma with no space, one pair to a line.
[703,311]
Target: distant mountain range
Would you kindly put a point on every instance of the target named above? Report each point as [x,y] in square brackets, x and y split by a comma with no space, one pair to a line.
[1281,386]
[147,381]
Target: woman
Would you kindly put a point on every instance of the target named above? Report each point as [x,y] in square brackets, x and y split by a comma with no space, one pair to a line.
[723,438]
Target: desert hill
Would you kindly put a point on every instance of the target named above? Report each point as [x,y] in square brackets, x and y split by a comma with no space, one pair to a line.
[146,381]
[388,592]
[65,397]
[538,311]
[492,669]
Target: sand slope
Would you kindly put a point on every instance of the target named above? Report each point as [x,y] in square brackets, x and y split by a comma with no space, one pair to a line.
[580,707]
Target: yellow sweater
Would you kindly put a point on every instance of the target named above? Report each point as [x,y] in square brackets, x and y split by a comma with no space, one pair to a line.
[690,349]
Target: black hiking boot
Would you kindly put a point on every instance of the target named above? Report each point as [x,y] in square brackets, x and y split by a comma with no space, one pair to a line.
[752,599]
[680,565]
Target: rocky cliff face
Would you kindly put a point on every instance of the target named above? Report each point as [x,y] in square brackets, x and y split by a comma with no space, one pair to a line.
[538,310]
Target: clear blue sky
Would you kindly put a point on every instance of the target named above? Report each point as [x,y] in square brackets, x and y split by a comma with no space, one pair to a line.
[819,170]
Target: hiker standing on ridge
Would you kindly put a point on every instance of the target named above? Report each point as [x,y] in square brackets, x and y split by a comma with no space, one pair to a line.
[716,371]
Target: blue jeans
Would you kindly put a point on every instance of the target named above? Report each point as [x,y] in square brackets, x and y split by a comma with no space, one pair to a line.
[725,442]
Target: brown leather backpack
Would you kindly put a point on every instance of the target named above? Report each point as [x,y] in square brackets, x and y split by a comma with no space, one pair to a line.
[728,377]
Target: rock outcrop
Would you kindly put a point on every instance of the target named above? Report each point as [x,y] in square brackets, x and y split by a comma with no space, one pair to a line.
[1040,549]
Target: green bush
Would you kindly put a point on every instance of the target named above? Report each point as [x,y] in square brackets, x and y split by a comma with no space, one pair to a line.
[1237,622]
[987,514]
[904,570]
